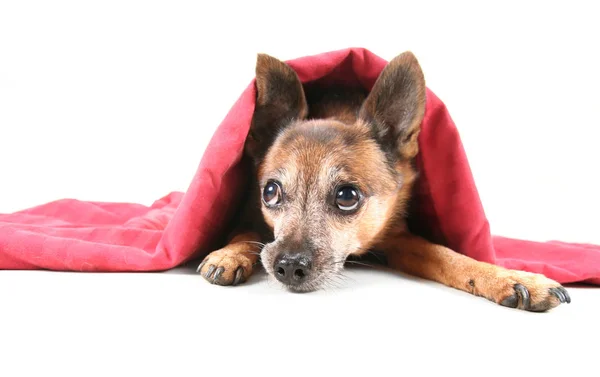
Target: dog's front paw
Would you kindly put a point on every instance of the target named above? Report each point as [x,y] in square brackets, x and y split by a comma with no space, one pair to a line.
[226,266]
[531,292]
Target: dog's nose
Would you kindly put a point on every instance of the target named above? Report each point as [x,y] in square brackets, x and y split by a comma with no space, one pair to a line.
[292,269]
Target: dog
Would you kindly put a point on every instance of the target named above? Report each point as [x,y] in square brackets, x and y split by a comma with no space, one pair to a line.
[331,177]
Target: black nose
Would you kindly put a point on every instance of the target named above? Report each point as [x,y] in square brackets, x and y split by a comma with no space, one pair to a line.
[292,269]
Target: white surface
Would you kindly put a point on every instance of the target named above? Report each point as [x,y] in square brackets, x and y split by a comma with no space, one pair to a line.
[116,100]
[374,323]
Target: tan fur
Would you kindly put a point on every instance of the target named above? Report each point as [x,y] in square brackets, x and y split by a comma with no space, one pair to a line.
[236,258]
[421,258]
[310,140]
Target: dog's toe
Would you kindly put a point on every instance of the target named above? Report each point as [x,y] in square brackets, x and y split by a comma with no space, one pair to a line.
[217,275]
[209,272]
[224,267]
[532,292]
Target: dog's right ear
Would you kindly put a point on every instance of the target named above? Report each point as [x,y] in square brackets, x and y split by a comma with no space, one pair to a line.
[280,99]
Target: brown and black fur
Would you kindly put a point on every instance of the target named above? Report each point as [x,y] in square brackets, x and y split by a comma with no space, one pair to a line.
[332,178]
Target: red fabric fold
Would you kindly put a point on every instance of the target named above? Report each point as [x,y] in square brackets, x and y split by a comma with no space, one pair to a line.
[72,235]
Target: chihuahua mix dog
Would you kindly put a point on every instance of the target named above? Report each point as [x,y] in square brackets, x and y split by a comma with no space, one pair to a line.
[332,178]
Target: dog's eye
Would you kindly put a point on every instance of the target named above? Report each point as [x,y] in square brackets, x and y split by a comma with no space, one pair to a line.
[347,198]
[272,194]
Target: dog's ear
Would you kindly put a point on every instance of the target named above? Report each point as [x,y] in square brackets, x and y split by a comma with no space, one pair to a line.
[280,99]
[396,105]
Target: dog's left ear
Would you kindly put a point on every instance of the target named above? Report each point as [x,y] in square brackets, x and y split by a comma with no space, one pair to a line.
[396,105]
[280,99]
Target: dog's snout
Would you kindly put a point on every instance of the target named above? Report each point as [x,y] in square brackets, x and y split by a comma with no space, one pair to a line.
[293,269]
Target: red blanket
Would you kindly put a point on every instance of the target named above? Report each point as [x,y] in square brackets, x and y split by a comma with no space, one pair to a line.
[94,236]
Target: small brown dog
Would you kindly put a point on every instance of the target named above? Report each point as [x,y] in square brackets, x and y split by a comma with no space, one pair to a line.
[332,177]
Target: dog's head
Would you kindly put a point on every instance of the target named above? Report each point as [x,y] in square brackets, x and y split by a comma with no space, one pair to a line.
[329,188]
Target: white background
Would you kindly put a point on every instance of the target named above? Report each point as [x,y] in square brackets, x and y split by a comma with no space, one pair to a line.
[115,101]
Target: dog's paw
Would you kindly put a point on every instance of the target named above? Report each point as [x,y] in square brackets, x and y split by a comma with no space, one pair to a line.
[531,292]
[226,267]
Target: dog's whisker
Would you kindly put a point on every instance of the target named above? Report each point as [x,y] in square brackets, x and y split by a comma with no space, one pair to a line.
[253,253]
[272,282]
[334,283]
[260,244]
[352,262]
[343,277]
[346,277]
[360,263]
[376,255]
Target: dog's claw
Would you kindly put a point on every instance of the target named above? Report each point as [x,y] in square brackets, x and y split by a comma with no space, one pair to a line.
[521,295]
[567,297]
[558,294]
[561,294]
[239,273]
[201,265]
[524,294]
[218,273]
[211,269]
